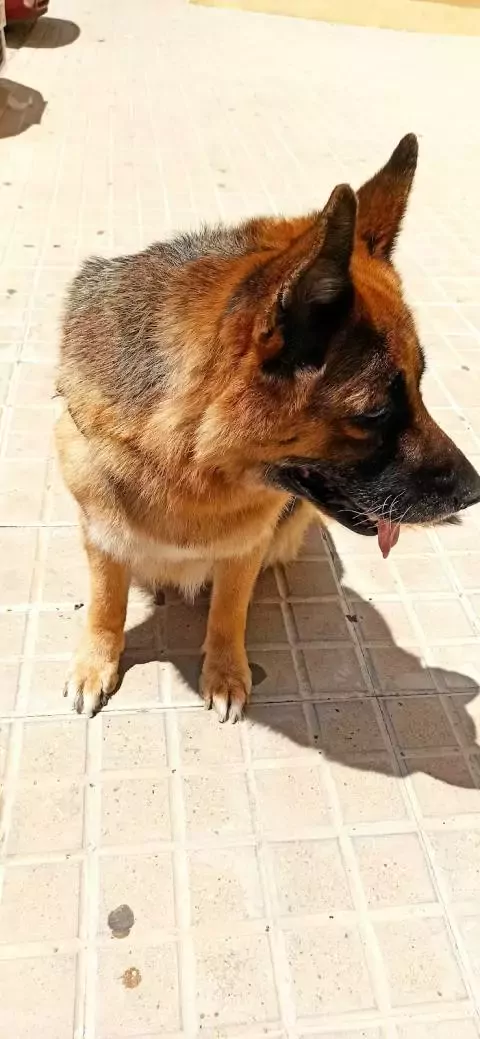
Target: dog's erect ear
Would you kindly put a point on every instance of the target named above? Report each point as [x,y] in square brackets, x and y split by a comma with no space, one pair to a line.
[314,270]
[382,201]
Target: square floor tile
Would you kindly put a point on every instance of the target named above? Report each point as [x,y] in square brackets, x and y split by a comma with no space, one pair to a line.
[328,969]
[368,790]
[424,574]
[40,903]
[58,631]
[65,576]
[420,963]
[12,630]
[57,747]
[273,676]
[280,790]
[420,722]
[135,810]
[444,619]
[438,1030]
[393,870]
[186,627]
[310,579]
[349,728]
[8,687]
[145,628]
[38,993]
[320,620]
[134,741]
[144,883]
[266,586]
[465,711]
[235,982]
[45,687]
[276,731]
[444,785]
[400,670]
[137,991]
[265,625]
[386,620]
[4,741]
[457,856]
[17,556]
[204,743]
[62,822]
[217,805]
[140,684]
[457,667]
[225,886]
[314,541]
[469,924]
[22,486]
[310,877]
[333,671]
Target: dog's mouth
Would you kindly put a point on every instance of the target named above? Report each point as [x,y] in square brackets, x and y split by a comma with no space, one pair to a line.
[328,487]
[322,489]
[386,531]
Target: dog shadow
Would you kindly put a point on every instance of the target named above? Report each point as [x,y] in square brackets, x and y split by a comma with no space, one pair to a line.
[414,722]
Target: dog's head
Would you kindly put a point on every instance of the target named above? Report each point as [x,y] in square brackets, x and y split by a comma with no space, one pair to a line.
[328,368]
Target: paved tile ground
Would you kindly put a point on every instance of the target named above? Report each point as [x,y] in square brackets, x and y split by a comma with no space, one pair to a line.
[316,870]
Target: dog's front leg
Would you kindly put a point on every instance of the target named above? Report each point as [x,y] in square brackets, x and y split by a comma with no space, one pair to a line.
[226,679]
[94,672]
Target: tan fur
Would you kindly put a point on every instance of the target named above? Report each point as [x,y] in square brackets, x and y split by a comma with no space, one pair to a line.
[171,420]
[184,548]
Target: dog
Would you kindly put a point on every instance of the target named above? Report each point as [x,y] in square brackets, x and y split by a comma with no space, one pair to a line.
[222,390]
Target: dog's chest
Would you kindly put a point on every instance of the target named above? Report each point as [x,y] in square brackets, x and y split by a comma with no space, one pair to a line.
[147,555]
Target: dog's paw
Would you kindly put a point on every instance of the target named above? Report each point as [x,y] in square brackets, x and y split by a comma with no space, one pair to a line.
[90,683]
[226,688]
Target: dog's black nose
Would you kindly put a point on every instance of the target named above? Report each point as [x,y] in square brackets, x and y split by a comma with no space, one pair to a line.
[455,483]
[472,497]
[468,487]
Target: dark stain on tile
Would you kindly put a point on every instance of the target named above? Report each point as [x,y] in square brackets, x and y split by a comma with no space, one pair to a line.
[121,921]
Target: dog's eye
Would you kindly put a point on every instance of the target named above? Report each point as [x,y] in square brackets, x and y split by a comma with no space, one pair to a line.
[373,417]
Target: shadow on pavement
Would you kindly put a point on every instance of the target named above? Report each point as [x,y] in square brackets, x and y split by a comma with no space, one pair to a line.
[44,34]
[20,108]
[343,728]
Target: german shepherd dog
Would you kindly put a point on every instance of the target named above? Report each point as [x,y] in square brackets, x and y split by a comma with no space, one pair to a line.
[223,389]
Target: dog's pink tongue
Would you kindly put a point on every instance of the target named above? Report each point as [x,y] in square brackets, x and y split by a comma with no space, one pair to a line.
[388,535]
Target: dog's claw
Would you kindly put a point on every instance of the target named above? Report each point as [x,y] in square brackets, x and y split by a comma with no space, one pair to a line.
[221,706]
[226,693]
[236,711]
[89,686]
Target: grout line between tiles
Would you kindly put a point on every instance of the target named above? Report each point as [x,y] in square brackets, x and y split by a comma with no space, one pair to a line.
[371,946]
[182,894]
[276,940]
